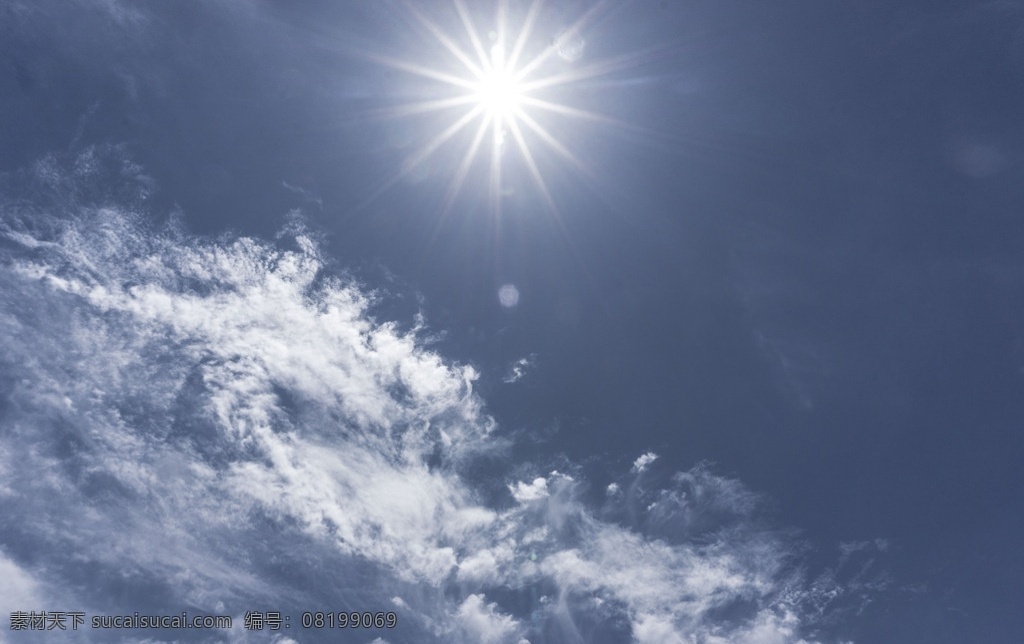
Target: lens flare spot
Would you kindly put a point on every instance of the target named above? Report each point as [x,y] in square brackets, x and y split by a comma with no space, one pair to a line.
[569,45]
[508,296]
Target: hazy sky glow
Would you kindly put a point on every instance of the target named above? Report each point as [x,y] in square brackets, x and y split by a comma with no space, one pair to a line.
[544,322]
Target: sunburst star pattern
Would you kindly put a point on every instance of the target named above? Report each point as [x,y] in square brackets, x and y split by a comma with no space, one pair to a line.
[499,88]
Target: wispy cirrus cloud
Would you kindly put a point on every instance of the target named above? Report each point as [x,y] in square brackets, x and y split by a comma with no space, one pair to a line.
[518,369]
[222,425]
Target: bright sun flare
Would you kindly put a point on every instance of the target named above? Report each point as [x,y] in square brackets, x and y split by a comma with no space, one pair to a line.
[497,90]
[500,93]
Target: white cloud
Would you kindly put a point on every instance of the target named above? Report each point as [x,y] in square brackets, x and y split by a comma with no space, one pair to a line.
[655,629]
[643,461]
[21,590]
[487,567]
[308,196]
[517,370]
[525,492]
[165,358]
[482,622]
[224,422]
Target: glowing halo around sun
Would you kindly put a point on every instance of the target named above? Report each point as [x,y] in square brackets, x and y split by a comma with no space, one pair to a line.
[497,90]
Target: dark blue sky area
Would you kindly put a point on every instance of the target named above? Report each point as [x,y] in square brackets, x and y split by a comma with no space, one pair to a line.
[800,261]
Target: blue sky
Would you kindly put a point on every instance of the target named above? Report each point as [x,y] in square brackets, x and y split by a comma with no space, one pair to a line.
[731,350]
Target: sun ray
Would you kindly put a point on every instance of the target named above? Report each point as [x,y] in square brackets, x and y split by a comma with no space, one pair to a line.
[467,161]
[441,138]
[591,71]
[474,39]
[420,70]
[524,33]
[502,23]
[531,165]
[549,201]
[455,185]
[421,107]
[566,110]
[576,27]
[412,162]
[448,43]
[552,142]
[594,182]
[494,190]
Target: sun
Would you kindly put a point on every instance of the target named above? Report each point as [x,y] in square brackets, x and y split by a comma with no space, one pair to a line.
[498,85]
[497,90]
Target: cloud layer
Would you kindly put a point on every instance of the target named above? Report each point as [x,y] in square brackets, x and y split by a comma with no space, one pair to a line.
[221,425]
